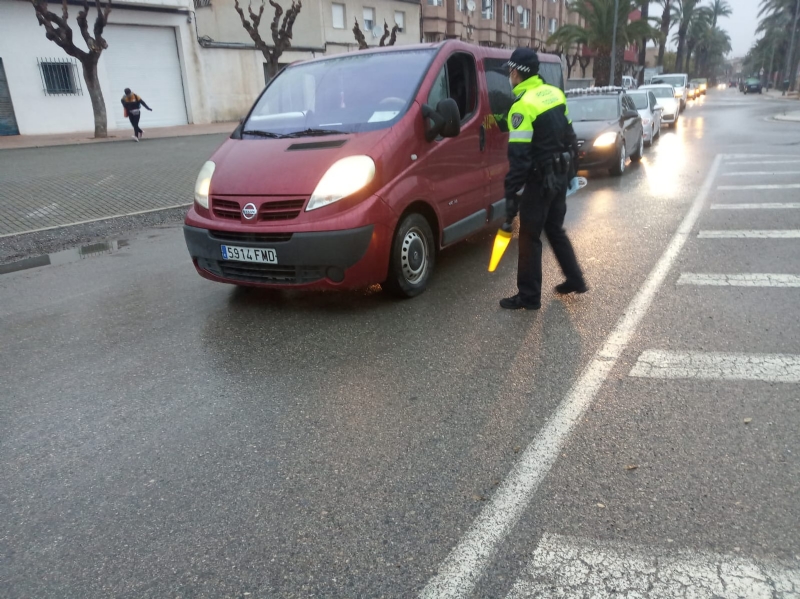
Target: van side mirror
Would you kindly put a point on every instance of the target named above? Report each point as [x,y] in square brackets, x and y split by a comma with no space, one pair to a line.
[444,121]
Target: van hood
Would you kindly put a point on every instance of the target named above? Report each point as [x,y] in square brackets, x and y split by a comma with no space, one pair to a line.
[589,130]
[275,167]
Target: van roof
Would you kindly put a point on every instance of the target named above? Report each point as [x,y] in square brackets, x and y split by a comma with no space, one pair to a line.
[480,51]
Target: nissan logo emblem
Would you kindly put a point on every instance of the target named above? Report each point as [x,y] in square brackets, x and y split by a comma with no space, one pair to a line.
[249,211]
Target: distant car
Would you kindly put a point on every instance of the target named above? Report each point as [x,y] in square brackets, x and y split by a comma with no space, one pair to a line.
[608,127]
[650,111]
[680,81]
[628,82]
[693,92]
[701,83]
[752,86]
[665,97]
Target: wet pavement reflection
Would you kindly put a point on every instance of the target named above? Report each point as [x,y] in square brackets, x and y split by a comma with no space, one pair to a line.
[66,256]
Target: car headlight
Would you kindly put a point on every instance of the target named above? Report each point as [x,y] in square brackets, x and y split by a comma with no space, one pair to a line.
[203,184]
[343,178]
[605,140]
[678,93]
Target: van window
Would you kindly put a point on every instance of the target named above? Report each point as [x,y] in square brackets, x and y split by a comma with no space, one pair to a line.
[351,93]
[551,73]
[501,96]
[457,80]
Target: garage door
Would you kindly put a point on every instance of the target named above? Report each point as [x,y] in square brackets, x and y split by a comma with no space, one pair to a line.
[146,60]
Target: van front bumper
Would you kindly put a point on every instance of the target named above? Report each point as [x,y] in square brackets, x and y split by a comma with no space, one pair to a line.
[326,259]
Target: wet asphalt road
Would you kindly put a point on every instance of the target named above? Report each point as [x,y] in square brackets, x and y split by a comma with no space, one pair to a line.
[165,436]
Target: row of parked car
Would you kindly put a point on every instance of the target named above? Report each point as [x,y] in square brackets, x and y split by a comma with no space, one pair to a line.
[614,123]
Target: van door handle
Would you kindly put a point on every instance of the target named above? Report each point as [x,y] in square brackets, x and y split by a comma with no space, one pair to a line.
[483,138]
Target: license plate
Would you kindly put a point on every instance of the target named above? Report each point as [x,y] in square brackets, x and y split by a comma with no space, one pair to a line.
[240,254]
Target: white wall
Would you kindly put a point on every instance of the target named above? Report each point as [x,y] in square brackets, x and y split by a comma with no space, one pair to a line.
[22,40]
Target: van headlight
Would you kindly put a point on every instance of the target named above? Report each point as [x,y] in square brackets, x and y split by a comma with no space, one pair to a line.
[203,184]
[344,178]
[606,139]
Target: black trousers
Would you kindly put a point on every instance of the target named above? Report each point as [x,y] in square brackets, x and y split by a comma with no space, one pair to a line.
[134,119]
[536,214]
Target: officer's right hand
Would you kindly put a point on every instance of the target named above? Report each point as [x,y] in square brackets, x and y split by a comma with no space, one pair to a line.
[512,207]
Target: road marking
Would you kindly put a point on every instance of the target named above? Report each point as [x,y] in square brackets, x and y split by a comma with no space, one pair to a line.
[465,564]
[94,220]
[756,187]
[573,568]
[759,173]
[748,162]
[764,206]
[751,234]
[740,280]
[709,366]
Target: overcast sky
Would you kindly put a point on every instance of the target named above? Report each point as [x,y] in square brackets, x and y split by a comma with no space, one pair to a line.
[741,25]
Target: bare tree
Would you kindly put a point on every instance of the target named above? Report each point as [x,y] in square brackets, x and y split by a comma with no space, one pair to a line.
[281,31]
[359,35]
[584,62]
[58,31]
[391,35]
[387,33]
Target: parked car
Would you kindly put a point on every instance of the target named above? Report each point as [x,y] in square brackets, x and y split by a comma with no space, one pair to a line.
[650,111]
[628,82]
[608,127]
[356,169]
[665,97]
[701,83]
[693,92]
[680,81]
[752,86]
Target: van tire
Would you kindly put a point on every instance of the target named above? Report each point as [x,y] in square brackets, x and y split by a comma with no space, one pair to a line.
[412,257]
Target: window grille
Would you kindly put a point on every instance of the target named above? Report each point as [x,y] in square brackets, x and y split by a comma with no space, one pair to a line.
[60,76]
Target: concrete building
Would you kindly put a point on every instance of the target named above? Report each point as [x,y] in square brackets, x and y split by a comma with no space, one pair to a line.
[191,60]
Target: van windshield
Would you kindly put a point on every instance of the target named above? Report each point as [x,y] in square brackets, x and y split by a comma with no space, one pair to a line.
[357,92]
[673,80]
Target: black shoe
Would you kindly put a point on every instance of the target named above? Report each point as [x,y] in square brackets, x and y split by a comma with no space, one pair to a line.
[516,302]
[568,287]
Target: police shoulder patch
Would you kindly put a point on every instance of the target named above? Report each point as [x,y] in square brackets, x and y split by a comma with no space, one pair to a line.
[516,120]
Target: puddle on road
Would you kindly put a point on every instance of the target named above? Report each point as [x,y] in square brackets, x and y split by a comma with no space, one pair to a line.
[66,256]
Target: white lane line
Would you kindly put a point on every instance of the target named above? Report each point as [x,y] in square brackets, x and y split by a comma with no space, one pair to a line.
[758,187]
[748,162]
[740,280]
[764,206]
[465,564]
[751,234]
[574,568]
[711,366]
[759,173]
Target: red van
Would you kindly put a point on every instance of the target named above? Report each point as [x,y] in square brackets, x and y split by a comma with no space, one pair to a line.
[356,169]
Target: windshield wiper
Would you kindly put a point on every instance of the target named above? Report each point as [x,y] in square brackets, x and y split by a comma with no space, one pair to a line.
[269,134]
[314,132]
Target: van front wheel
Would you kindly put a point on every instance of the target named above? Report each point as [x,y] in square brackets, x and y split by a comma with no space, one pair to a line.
[412,258]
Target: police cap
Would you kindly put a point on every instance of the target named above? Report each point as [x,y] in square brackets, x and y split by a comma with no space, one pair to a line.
[525,60]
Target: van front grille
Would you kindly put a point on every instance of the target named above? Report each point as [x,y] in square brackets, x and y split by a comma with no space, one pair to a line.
[226,209]
[251,237]
[267,274]
[280,209]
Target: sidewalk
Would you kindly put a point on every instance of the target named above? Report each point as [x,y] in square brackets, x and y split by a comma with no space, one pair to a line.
[13,142]
[788,116]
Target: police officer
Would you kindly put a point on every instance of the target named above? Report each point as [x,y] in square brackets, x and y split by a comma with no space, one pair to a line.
[542,153]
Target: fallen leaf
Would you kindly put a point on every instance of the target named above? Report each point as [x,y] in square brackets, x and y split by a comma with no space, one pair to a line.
[631,467]
[517,448]
[477,497]
[600,505]
[748,420]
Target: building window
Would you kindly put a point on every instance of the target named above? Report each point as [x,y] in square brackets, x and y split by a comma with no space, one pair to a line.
[400,20]
[487,9]
[202,3]
[431,38]
[337,12]
[369,19]
[435,2]
[540,22]
[526,19]
[60,76]
[553,25]
[508,14]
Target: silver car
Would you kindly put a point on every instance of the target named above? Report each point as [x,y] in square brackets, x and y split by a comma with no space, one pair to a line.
[650,111]
[666,98]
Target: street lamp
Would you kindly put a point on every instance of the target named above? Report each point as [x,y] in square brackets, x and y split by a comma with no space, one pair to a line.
[614,43]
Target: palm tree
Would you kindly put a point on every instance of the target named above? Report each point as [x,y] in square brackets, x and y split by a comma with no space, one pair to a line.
[645,8]
[788,11]
[719,8]
[596,33]
[699,30]
[665,26]
[683,13]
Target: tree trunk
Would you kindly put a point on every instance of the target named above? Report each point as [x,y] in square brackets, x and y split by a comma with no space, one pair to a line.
[664,33]
[272,67]
[96,95]
[602,68]
[689,52]
[679,54]
[643,49]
